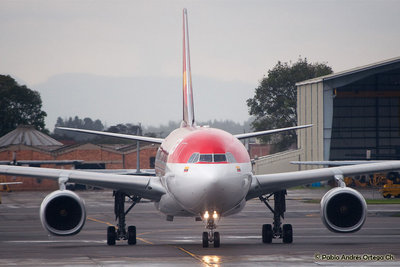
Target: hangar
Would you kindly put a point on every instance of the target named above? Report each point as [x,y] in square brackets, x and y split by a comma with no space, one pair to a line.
[356,116]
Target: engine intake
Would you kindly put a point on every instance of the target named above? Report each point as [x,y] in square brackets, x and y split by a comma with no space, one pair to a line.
[343,210]
[63,213]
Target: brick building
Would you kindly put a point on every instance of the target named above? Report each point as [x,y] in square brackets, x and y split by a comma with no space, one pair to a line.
[27,146]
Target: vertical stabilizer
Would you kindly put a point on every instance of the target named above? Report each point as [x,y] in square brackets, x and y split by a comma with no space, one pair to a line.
[188,105]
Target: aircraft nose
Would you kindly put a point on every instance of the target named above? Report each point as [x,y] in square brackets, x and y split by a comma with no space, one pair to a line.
[216,187]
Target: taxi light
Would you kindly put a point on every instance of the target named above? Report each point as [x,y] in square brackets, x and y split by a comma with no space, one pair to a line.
[206,215]
[215,215]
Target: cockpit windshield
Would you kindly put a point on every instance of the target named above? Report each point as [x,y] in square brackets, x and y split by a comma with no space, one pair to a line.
[206,158]
[219,158]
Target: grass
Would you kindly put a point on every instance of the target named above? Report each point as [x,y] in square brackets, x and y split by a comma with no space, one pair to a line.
[384,201]
[306,187]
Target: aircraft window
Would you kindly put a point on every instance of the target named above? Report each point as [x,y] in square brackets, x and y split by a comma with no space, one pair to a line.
[206,158]
[197,157]
[219,158]
[194,158]
[230,157]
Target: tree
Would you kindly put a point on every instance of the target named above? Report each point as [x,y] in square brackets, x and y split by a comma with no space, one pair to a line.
[275,99]
[128,128]
[76,122]
[19,105]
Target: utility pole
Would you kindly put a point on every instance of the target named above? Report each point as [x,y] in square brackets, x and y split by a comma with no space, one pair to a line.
[138,132]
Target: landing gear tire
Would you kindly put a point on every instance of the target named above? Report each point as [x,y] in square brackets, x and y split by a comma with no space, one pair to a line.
[131,235]
[111,235]
[287,233]
[205,240]
[267,233]
[216,240]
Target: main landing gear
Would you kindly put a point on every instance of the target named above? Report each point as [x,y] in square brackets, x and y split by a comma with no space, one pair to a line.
[211,236]
[114,234]
[277,230]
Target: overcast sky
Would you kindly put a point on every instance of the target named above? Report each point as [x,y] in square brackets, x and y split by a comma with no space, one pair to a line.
[121,61]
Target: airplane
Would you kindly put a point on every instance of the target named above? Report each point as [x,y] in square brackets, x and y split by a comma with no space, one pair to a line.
[204,173]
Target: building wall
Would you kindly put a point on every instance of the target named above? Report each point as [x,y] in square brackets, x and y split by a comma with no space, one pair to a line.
[310,110]
[259,150]
[279,162]
[145,155]
[93,154]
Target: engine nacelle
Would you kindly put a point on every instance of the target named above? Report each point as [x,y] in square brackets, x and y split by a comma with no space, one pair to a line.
[63,213]
[343,210]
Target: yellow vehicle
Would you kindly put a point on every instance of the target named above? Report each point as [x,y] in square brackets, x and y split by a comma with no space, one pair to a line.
[390,189]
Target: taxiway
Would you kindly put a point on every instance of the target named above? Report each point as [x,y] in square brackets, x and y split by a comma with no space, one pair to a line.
[23,242]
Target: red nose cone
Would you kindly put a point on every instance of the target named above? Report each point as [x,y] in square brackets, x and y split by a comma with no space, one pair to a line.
[209,141]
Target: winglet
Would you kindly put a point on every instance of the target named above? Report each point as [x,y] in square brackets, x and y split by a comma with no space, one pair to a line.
[188,105]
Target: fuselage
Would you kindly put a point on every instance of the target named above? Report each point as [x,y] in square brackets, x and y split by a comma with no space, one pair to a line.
[203,169]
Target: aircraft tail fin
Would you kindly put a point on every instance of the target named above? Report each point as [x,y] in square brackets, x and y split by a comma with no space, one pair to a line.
[188,104]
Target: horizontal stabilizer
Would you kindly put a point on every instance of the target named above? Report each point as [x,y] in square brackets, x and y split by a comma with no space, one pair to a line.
[118,135]
[255,134]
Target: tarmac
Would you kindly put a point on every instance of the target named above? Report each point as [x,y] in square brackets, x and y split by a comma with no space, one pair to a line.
[23,242]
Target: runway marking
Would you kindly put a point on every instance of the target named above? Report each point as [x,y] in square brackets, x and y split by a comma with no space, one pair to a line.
[158,231]
[193,256]
[96,220]
[151,243]
[110,224]
[144,240]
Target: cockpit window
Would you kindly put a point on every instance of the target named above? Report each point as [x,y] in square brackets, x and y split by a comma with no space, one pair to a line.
[197,157]
[219,158]
[206,158]
[230,157]
[194,158]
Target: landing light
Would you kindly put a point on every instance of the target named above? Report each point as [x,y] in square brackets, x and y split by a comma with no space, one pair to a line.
[215,215]
[206,215]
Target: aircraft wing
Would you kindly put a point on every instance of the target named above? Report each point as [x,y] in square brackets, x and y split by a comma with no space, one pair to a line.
[255,134]
[144,186]
[269,183]
[118,135]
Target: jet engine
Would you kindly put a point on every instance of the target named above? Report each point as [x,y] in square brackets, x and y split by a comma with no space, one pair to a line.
[63,213]
[343,210]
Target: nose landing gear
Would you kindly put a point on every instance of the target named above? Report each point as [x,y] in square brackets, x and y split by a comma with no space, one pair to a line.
[211,236]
